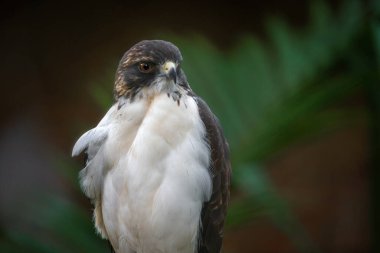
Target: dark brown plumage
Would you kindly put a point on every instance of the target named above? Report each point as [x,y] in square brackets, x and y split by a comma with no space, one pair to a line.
[214,211]
[129,80]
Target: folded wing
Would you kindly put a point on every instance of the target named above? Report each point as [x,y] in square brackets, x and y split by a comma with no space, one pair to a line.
[214,211]
[92,144]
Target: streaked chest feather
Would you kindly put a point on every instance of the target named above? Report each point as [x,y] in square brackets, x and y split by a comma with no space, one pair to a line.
[158,176]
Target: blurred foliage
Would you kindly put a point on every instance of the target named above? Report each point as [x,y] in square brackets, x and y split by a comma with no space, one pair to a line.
[267,95]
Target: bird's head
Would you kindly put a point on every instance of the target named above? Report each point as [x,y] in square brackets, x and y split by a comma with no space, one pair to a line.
[152,66]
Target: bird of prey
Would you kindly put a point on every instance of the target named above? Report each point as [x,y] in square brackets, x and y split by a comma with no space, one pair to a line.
[157,168]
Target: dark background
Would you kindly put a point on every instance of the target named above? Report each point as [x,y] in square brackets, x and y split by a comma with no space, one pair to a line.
[53,53]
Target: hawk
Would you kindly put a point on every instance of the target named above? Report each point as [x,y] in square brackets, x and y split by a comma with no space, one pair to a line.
[157,168]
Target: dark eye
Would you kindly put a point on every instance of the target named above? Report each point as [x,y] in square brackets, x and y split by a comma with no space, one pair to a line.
[146,67]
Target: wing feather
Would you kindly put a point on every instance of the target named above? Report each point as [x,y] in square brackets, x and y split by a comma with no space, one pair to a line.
[91,143]
[214,211]
[92,176]
[92,139]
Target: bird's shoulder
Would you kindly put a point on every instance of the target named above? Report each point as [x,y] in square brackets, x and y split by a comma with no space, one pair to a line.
[95,137]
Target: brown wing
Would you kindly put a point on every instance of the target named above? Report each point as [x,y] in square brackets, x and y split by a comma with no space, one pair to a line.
[214,211]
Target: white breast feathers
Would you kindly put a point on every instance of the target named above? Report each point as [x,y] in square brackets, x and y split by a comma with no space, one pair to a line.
[148,172]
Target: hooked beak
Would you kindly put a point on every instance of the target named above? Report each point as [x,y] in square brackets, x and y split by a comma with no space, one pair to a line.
[169,69]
